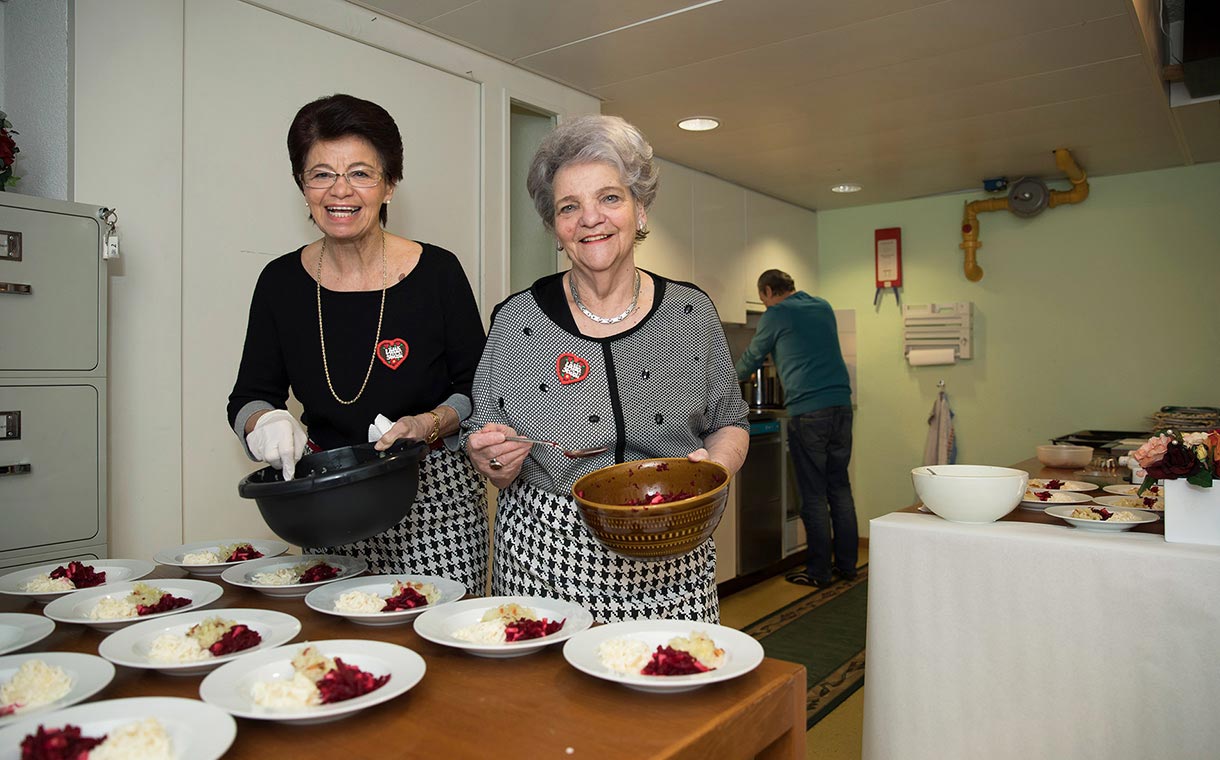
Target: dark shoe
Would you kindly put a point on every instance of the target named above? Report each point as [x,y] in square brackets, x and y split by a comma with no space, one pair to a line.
[802,578]
[845,576]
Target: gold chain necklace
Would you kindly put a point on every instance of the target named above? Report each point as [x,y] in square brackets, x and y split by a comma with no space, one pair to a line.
[322,332]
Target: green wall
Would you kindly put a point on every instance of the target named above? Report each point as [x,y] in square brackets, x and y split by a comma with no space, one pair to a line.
[1090,316]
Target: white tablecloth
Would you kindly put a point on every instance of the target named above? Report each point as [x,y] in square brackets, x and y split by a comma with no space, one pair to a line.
[1017,640]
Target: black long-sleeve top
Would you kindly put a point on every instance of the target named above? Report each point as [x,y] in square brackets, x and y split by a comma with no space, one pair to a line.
[432,310]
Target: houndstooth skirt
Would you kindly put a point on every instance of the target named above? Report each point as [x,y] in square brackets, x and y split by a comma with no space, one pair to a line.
[543,549]
[445,532]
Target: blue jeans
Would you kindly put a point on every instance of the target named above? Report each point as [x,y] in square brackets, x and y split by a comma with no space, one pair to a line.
[820,443]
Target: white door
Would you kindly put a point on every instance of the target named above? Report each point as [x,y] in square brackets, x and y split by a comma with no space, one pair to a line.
[246,73]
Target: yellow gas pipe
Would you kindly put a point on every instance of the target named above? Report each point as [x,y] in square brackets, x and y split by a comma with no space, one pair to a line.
[970,222]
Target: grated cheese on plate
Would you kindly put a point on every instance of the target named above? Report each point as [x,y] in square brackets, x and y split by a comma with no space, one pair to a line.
[202,558]
[482,632]
[45,583]
[144,740]
[35,683]
[359,602]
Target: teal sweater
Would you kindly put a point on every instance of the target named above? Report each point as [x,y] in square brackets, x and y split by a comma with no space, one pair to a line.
[800,334]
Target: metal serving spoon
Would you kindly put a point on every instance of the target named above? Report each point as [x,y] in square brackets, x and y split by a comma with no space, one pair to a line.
[570,453]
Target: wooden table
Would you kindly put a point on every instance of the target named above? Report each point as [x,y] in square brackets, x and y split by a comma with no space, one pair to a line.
[1037,470]
[472,707]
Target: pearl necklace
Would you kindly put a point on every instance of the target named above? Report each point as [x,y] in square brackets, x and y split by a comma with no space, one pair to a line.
[322,332]
[635,297]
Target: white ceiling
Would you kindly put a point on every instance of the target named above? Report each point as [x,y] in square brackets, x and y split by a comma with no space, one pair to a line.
[906,97]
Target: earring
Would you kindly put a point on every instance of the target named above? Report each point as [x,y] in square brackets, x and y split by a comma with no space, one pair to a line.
[558,247]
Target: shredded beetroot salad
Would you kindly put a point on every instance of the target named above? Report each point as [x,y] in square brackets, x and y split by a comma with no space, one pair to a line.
[659,498]
[235,639]
[81,575]
[520,630]
[667,661]
[57,744]
[407,599]
[166,603]
[347,681]
[243,552]
[322,572]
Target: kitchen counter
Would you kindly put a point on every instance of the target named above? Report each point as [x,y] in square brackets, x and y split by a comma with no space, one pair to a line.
[472,707]
[1027,638]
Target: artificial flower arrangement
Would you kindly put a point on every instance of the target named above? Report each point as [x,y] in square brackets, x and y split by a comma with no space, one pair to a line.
[8,151]
[1170,455]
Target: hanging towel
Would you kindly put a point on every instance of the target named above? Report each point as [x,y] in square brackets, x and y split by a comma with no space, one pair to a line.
[941,447]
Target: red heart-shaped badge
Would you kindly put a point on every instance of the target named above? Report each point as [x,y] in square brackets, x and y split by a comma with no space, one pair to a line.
[571,369]
[392,352]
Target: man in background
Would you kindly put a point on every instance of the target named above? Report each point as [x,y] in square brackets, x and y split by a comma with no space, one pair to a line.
[800,333]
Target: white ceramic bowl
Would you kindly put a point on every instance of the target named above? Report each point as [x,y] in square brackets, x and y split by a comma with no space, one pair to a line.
[969,493]
[1065,456]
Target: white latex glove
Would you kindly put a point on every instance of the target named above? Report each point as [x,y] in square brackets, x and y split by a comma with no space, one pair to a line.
[279,440]
[381,425]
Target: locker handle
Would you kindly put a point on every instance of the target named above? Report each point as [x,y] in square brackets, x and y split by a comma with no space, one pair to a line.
[16,288]
[14,469]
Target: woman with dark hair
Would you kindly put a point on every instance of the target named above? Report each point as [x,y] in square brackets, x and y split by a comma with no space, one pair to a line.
[603,354]
[362,323]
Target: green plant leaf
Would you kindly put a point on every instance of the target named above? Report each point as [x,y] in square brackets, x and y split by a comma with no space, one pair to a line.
[1149,481]
[1202,478]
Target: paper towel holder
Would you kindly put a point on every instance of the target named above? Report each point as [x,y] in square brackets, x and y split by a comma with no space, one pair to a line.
[939,325]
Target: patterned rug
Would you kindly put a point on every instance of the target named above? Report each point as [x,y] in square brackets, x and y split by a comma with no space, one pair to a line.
[824,631]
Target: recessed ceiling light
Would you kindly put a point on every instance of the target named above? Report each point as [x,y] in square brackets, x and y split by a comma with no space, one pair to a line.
[846,187]
[699,123]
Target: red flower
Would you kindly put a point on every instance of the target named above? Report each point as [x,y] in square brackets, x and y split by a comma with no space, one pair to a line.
[1179,462]
[8,148]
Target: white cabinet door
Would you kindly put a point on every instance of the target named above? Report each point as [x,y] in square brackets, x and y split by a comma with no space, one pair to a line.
[667,251]
[778,236]
[719,239]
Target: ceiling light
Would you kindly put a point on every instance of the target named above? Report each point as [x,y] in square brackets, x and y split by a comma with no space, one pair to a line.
[699,123]
[846,187]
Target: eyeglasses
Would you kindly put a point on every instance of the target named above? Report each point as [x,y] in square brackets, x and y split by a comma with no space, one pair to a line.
[320,179]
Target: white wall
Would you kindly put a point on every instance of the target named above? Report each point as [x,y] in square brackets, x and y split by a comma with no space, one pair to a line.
[35,93]
[130,154]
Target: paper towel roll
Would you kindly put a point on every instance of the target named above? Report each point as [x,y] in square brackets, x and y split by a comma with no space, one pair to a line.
[923,357]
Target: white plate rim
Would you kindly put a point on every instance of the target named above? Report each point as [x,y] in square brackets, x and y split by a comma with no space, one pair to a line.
[315,598]
[1108,503]
[139,567]
[130,635]
[430,624]
[36,627]
[1101,526]
[746,654]
[275,548]
[235,572]
[1128,489]
[1077,498]
[212,730]
[55,610]
[1067,483]
[91,677]
[227,676]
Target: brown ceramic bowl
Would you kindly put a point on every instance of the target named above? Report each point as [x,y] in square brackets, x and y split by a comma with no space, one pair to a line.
[609,505]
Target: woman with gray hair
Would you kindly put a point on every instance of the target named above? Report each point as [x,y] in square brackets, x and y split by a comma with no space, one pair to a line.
[603,354]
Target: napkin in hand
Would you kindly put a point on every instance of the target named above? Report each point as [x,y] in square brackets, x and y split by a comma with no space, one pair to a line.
[380,427]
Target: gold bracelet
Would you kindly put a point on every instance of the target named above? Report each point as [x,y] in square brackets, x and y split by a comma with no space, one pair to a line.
[436,429]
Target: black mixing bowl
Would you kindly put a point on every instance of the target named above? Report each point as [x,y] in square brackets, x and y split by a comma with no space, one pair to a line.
[338,496]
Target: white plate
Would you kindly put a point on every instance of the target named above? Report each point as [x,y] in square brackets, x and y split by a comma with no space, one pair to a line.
[323,599]
[1068,485]
[742,653]
[242,574]
[1130,489]
[230,686]
[1100,526]
[88,673]
[19,629]
[438,624]
[197,731]
[130,646]
[75,607]
[268,546]
[117,571]
[1120,502]
[1060,497]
